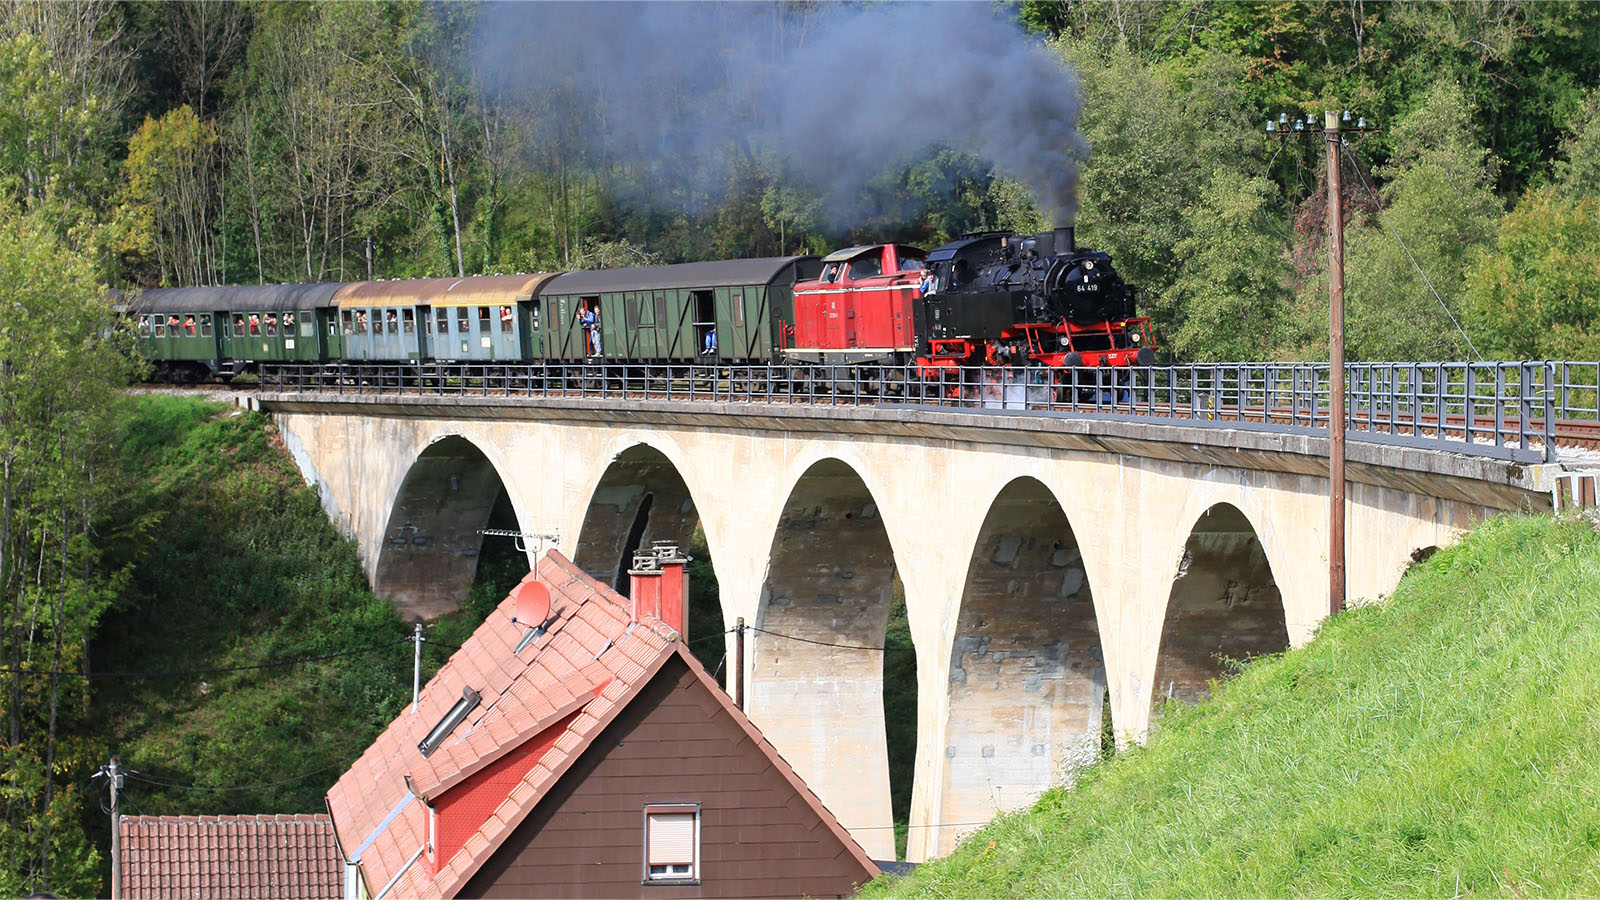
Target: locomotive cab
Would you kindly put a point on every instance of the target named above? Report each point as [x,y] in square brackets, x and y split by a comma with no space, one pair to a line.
[860,309]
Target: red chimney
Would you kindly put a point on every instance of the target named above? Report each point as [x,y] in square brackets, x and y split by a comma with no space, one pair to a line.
[659,587]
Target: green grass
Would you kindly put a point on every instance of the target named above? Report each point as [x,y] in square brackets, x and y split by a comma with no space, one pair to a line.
[1443,743]
[233,563]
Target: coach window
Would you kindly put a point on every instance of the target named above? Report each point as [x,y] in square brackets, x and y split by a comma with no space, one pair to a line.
[238,324]
[349,321]
[442,317]
[161,326]
[483,321]
[391,321]
[361,321]
[408,321]
[288,324]
[533,317]
[271,322]
[144,326]
[205,325]
[672,844]
[188,326]
[463,324]
[506,320]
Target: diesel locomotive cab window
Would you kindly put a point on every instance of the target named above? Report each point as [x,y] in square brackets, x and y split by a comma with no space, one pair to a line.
[867,267]
[408,321]
[830,273]
[505,320]
[910,265]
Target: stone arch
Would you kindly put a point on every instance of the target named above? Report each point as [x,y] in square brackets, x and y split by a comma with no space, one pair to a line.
[431,544]
[1225,605]
[816,685]
[1027,686]
[640,497]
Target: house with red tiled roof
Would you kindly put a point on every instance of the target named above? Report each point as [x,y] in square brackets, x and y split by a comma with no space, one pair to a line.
[574,748]
[279,857]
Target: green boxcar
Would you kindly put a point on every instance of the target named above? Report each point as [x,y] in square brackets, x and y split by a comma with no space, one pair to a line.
[693,312]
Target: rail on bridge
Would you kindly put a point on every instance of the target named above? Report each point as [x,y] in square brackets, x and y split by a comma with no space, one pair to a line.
[1521,411]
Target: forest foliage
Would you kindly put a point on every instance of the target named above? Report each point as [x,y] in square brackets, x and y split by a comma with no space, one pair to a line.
[269,142]
[146,143]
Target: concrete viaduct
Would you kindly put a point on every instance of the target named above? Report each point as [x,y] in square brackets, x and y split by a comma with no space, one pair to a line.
[1053,568]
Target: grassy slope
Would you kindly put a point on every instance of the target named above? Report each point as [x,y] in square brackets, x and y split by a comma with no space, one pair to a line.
[236,564]
[1444,742]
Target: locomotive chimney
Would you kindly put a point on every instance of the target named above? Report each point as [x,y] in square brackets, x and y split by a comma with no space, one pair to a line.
[1064,240]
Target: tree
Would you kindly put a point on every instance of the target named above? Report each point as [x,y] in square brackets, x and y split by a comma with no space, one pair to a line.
[1537,294]
[169,198]
[1233,272]
[1440,202]
[63,367]
[1579,173]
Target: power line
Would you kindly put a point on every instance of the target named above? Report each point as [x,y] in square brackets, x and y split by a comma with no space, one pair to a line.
[177,673]
[242,787]
[1378,205]
[793,637]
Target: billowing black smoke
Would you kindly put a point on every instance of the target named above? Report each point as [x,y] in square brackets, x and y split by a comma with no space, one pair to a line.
[835,94]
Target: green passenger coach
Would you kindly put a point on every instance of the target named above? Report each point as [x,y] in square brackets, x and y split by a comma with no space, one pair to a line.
[196,332]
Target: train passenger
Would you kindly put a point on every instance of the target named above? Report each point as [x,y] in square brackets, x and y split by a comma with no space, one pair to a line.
[710,342]
[926,285]
[172,325]
[591,328]
[188,325]
[255,323]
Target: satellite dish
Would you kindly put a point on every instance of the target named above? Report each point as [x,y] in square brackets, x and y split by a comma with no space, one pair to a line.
[532,604]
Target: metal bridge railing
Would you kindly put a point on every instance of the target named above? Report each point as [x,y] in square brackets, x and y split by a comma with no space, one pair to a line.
[1508,410]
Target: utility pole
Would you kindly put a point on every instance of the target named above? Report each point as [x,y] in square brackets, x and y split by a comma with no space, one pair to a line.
[416,667]
[1336,412]
[114,773]
[738,662]
[368,243]
[1335,124]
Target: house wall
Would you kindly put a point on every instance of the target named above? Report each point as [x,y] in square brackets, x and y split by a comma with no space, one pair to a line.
[674,743]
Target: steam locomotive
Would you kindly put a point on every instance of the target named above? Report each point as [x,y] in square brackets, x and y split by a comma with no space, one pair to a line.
[994,299]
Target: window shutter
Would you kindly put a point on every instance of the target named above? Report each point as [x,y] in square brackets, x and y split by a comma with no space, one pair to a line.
[671,839]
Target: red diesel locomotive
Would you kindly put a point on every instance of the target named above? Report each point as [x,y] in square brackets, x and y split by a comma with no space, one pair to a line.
[994,299]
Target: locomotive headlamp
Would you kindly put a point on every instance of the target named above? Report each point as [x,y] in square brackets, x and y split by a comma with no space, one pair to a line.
[1133,336]
[1088,264]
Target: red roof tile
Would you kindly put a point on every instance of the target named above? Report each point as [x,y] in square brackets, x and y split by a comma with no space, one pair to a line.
[243,857]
